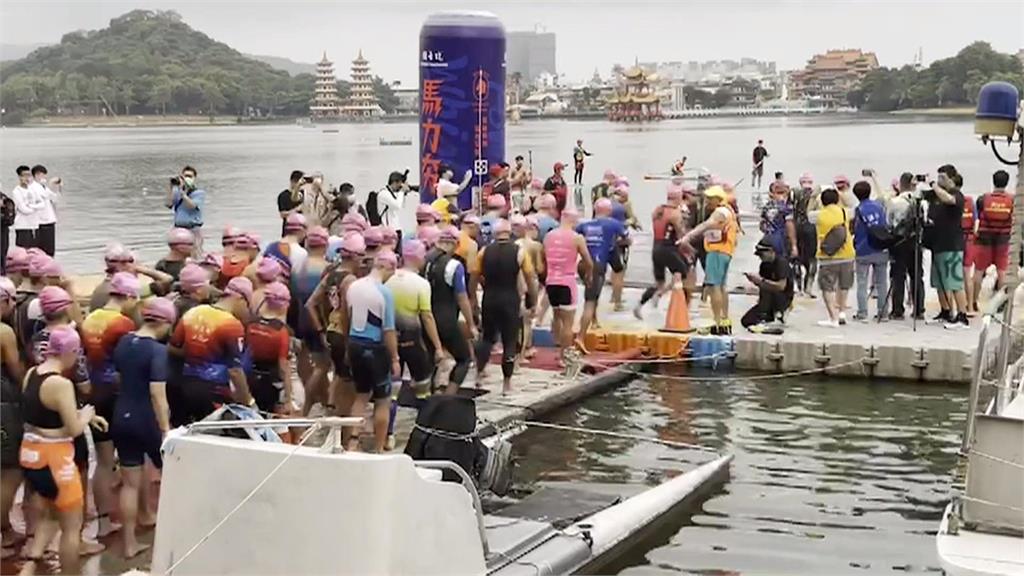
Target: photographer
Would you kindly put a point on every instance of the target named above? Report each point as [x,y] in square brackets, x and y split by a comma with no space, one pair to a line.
[187,201]
[290,200]
[343,202]
[905,216]
[943,238]
[384,206]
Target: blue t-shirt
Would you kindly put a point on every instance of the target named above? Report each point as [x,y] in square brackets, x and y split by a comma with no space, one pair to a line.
[601,235]
[868,213]
[545,224]
[774,216]
[371,308]
[618,211]
[140,361]
[185,217]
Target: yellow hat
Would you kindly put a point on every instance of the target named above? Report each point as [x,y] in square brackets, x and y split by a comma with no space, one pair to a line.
[715,192]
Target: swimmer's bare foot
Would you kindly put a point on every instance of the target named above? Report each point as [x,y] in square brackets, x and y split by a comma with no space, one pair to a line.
[147,521]
[106,526]
[530,353]
[90,547]
[580,346]
[133,551]
[506,388]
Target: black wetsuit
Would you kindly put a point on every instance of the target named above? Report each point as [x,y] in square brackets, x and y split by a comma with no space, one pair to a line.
[441,270]
[500,307]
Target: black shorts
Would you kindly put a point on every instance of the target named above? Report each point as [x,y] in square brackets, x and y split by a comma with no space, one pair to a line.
[667,256]
[339,356]
[200,398]
[81,446]
[12,430]
[451,336]
[413,354]
[560,296]
[806,243]
[617,259]
[592,293]
[104,408]
[371,368]
[265,386]
[136,440]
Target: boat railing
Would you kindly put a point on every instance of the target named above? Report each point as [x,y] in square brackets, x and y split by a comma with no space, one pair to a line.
[470,487]
[990,359]
[334,425]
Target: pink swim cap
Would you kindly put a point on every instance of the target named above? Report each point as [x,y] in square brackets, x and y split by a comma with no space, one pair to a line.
[449,234]
[533,221]
[609,174]
[353,244]
[502,227]
[428,235]
[518,221]
[385,259]
[240,286]
[537,184]
[806,178]
[116,253]
[295,222]
[840,179]
[180,237]
[51,269]
[254,238]
[353,222]
[413,249]
[495,202]
[159,310]
[425,212]
[547,202]
[38,265]
[17,259]
[471,219]
[570,215]
[674,192]
[390,235]
[268,270]
[192,278]
[213,260]
[277,295]
[244,242]
[373,237]
[124,284]
[622,181]
[316,237]
[7,288]
[54,300]
[229,234]
[603,206]
[63,340]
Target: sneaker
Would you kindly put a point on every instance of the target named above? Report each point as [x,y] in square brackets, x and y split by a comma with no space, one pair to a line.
[828,323]
[842,318]
[389,444]
[941,318]
[883,318]
[960,323]
[861,316]
[638,312]
[895,316]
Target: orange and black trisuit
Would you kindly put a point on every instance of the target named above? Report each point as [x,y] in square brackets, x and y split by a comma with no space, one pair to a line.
[664,253]
[48,463]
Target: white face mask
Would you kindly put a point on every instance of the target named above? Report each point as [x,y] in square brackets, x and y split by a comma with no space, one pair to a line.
[41,180]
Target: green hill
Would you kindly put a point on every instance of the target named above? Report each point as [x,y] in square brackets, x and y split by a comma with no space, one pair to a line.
[147,62]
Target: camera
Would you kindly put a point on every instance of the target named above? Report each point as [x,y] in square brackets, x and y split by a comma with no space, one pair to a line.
[307,179]
[175,181]
[921,177]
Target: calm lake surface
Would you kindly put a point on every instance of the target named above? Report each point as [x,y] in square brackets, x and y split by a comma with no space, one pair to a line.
[115,178]
[829,476]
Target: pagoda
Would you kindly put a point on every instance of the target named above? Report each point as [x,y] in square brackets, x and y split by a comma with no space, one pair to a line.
[325,97]
[634,99]
[362,103]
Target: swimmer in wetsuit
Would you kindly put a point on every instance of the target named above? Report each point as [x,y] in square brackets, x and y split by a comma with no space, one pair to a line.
[141,415]
[313,360]
[12,370]
[180,243]
[667,221]
[449,297]
[52,419]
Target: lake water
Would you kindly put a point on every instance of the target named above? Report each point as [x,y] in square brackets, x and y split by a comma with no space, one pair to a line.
[115,178]
[829,476]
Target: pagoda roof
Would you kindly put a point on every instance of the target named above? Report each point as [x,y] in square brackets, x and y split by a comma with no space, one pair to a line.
[324,59]
[359,59]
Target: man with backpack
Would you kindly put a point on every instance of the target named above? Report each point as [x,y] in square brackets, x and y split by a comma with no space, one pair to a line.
[835,257]
[904,216]
[384,206]
[871,240]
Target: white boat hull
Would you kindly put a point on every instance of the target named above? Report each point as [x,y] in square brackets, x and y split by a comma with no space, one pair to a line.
[970,553]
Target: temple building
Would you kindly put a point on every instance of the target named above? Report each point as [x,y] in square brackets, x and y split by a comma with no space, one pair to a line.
[828,78]
[635,99]
[362,103]
[325,97]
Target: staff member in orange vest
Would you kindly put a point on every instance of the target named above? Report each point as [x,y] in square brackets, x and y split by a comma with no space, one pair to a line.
[995,222]
[720,233]
[968,224]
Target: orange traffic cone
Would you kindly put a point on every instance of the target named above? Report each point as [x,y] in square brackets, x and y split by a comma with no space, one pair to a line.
[678,318]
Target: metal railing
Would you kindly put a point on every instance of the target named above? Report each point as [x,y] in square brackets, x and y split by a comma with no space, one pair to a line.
[470,487]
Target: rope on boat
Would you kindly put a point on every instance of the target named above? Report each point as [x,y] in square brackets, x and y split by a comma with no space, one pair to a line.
[302,441]
[998,459]
[620,435]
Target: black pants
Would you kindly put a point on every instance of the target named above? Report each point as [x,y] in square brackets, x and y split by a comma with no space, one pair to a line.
[906,262]
[500,319]
[771,306]
[46,238]
[5,241]
[25,238]
[453,341]
[577,175]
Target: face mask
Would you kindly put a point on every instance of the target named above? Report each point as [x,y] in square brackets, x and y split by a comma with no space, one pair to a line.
[190,181]
[42,181]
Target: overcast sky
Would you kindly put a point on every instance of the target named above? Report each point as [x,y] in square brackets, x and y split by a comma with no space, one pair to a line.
[590,34]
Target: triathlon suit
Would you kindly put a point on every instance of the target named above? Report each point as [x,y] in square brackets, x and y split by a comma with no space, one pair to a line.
[499,310]
[995,222]
[212,340]
[335,337]
[140,360]
[48,463]
[447,277]
[28,320]
[545,224]
[304,281]
[101,331]
[561,256]
[233,267]
[266,344]
[10,419]
[371,309]
[291,257]
[665,254]
[967,220]
[412,298]
[172,267]
[557,187]
[619,256]
[467,245]
[602,235]
[78,375]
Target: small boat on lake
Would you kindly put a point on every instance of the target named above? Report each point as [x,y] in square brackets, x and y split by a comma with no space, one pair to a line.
[396,142]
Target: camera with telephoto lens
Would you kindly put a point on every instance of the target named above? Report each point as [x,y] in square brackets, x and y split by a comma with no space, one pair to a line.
[175,181]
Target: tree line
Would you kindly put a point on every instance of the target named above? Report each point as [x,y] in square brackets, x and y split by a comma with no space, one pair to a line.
[949,82]
[151,62]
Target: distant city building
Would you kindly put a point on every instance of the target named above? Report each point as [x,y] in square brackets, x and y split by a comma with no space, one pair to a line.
[325,97]
[408,98]
[362,102]
[829,77]
[530,54]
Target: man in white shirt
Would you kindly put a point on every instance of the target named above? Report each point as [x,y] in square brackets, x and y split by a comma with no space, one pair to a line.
[27,203]
[390,200]
[46,236]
